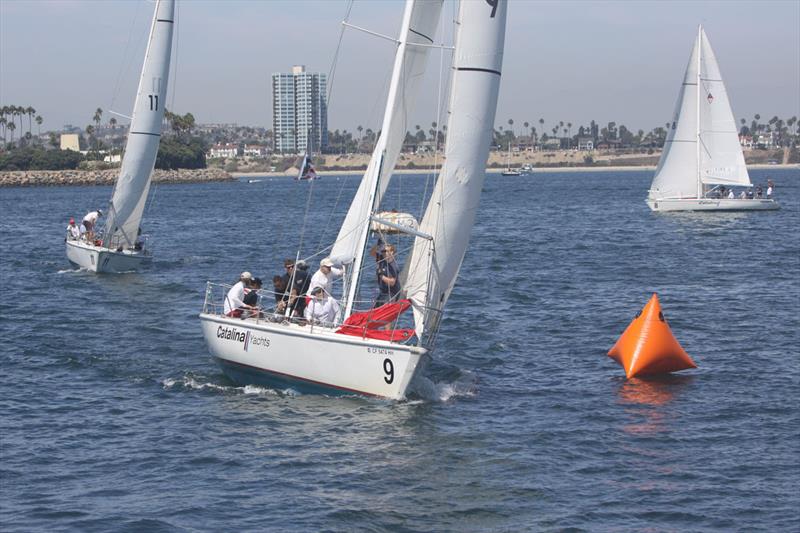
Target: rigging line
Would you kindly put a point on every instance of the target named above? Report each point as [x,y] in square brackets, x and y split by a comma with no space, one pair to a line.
[177,28]
[124,61]
[334,62]
[330,217]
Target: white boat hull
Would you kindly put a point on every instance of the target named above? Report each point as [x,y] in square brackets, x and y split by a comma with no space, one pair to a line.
[309,360]
[713,204]
[103,260]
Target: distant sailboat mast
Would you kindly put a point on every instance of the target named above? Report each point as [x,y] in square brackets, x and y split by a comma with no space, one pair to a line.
[697,107]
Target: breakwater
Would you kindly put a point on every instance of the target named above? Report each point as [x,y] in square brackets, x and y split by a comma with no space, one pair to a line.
[40,178]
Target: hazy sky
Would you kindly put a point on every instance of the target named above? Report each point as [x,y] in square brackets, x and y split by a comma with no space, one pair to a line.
[568,60]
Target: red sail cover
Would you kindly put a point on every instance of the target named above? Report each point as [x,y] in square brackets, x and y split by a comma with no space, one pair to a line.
[368,323]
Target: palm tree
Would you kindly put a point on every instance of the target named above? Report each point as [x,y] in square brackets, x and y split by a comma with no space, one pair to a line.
[12,127]
[113,122]
[30,112]
[98,115]
[511,124]
[541,124]
[39,121]
[360,128]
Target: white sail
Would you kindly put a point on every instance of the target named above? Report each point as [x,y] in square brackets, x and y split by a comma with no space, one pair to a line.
[420,20]
[450,214]
[133,183]
[702,146]
[676,174]
[721,157]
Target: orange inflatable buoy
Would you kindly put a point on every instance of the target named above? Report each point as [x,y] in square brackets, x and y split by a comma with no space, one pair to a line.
[648,346]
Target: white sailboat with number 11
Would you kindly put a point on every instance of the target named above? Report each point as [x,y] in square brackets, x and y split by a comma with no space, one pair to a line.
[122,248]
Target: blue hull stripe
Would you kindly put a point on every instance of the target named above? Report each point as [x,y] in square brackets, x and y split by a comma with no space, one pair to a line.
[246,374]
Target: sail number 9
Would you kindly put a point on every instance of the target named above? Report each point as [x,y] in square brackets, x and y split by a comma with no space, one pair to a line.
[388,369]
[153,102]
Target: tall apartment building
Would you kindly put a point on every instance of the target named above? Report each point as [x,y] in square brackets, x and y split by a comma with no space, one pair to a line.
[299,111]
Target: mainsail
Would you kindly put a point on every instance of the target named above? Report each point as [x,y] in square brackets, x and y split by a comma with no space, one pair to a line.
[420,20]
[702,145]
[133,183]
[450,214]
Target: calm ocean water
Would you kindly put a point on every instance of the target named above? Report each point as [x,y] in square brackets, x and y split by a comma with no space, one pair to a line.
[115,418]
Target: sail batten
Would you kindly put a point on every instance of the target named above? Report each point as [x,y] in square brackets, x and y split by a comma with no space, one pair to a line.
[133,183]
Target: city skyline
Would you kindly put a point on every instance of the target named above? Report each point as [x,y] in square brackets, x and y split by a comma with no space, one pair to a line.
[573,62]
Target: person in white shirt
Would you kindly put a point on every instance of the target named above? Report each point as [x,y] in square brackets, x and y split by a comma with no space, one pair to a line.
[322,309]
[89,221]
[73,232]
[324,276]
[730,194]
[234,301]
[743,195]
[769,191]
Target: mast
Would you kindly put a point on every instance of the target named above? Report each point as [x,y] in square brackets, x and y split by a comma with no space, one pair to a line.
[697,95]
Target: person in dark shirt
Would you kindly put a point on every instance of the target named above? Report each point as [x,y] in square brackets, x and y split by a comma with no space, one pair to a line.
[388,274]
[297,281]
[251,298]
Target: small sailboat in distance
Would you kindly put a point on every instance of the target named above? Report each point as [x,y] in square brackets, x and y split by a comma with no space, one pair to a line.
[122,248]
[307,170]
[702,155]
[510,171]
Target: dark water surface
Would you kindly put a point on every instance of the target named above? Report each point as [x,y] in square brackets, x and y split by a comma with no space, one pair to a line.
[115,418]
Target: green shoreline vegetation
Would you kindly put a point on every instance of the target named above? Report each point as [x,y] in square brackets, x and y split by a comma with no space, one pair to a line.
[188,145]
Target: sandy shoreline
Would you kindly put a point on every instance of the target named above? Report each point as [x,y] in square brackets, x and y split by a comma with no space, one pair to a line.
[541,170]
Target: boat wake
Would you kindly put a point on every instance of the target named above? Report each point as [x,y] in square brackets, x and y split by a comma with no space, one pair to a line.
[190,383]
[466,385]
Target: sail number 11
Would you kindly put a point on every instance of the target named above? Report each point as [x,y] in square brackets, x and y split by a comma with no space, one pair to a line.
[153,102]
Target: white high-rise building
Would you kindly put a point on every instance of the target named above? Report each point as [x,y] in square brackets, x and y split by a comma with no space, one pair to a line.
[299,111]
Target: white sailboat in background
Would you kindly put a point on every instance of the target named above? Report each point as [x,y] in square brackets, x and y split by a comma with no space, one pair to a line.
[122,248]
[353,355]
[307,170]
[510,171]
[702,154]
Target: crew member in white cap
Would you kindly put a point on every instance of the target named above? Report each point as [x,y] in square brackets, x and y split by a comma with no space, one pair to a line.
[89,222]
[234,300]
[322,308]
[324,276]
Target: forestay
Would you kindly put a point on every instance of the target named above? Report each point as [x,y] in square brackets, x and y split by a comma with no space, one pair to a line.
[133,183]
[450,214]
[420,20]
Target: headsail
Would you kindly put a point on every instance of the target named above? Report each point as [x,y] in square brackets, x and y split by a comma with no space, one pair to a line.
[450,214]
[133,183]
[420,20]
[721,157]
